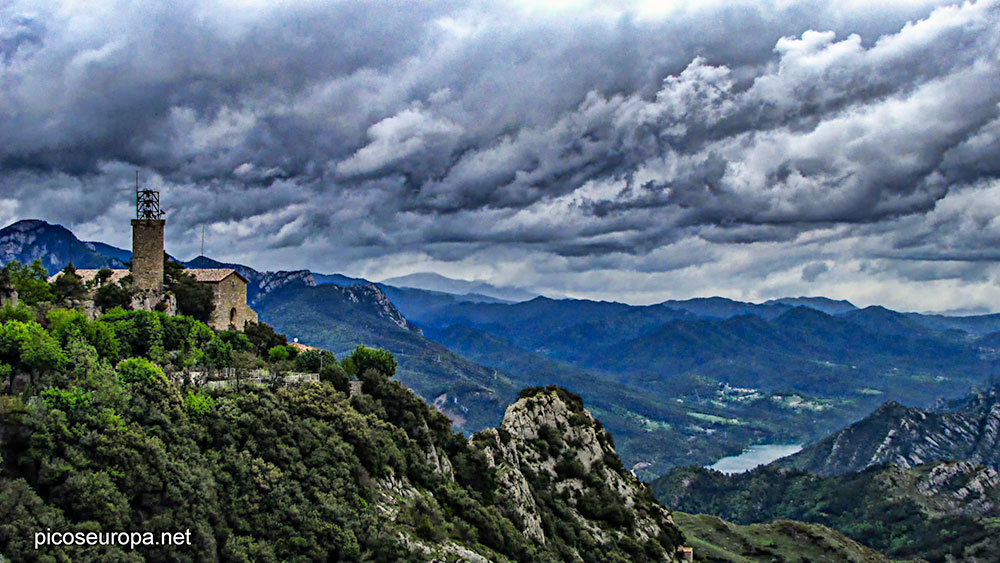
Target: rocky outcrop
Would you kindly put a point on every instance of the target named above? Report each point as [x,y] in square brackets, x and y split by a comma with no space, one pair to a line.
[905,436]
[264,283]
[372,296]
[549,447]
[960,488]
[549,469]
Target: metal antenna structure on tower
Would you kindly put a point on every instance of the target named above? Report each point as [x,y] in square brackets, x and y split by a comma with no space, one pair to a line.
[147,203]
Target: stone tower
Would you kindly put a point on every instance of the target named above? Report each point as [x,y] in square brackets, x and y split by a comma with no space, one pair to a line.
[147,241]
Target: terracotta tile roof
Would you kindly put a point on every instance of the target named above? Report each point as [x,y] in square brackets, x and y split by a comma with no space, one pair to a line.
[302,347]
[213,275]
[206,275]
[87,275]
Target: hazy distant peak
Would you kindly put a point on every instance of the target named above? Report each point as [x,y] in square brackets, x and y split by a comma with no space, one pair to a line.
[436,282]
[825,304]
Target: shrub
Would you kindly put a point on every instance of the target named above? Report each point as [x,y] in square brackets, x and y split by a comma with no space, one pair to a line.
[263,337]
[29,282]
[68,285]
[236,340]
[363,359]
[111,295]
[27,346]
[278,354]
[314,360]
[66,400]
[20,313]
[335,375]
[219,353]
[198,403]
[193,299]
[139,370]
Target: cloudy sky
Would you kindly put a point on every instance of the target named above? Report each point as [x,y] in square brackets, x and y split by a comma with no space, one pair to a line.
[634,151]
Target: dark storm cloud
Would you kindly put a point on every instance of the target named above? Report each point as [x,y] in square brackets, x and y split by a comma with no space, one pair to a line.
[813,271]
[599,136]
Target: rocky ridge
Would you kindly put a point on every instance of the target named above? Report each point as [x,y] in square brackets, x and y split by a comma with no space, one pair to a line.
[907,437]
[31,239]
[549,447]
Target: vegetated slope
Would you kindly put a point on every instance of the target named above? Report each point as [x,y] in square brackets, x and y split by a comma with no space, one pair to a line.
[340,318]
[331,316]
[908,436]
[942,511]
[717,541]
[309,473]
[770,347]
[802,350]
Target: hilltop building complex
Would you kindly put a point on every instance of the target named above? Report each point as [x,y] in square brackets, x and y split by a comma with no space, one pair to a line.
[229,287]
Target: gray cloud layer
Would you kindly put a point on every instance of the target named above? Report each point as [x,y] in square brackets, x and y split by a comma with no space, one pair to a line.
[612,152]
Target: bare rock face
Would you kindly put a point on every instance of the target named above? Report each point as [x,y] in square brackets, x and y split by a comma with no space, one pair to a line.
[908,437]
[155,301]
[549,447]
[373,297]
[961,488]
[268,282]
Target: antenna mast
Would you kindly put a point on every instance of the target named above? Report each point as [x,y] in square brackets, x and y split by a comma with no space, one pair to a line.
[203,245]
[147,203]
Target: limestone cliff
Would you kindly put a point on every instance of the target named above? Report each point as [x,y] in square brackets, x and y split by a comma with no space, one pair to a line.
[553,458]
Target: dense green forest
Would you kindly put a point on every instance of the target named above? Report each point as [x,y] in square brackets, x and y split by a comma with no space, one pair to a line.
[100,432]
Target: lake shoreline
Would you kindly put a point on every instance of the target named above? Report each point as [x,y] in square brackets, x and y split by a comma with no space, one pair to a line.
[754,456]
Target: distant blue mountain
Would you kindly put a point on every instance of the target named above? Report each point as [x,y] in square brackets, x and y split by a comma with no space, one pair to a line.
[662,368]
[32,239]
[827,305]
[338,279]
[115,253]
[723,308]
[439,283]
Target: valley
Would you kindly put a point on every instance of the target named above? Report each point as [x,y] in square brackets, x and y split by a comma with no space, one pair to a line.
[679,383]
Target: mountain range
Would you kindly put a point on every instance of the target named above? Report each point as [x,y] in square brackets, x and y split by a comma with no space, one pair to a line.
[437,282]
[713,374]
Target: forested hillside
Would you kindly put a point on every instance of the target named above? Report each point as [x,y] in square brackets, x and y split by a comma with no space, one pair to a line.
[102,432]
[339,318]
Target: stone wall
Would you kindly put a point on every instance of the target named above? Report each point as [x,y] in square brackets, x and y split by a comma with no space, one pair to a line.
[231,309]
[8,296]
[227,378]
[147,254]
